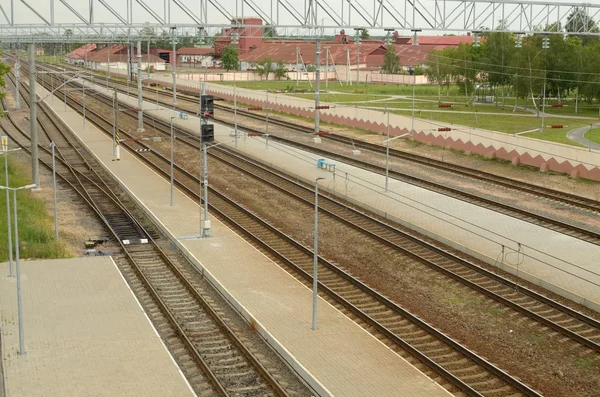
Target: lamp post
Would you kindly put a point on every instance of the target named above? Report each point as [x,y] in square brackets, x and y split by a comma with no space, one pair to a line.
[10,248]
[172,144]
[316,256]
[53,146]
[387,154]
[415,42]
[18,266]
[174,42]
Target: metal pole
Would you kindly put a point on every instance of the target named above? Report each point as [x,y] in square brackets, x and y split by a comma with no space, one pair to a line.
[235,130]
[35,171]
[172,192]
[10,247]
[297,68]
[267,126]
[107,63]
[412,125]
[315,256]
[83,93]
[65,94]
[206,232]
[326,67]
[543,105]
[317,84]
[18,84]
[53,146]
[115,115]
[174,71]
[387,151]
[357,64]
[18,266]
[139,87]
[148,61]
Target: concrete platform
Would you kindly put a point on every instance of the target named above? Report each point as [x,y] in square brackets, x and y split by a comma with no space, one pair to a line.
[340,358]
[562,264]
[85,334]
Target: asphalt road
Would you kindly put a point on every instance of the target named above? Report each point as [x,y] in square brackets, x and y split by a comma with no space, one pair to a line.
[577,136]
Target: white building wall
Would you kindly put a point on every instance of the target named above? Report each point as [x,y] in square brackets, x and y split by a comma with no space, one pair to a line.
[203,61]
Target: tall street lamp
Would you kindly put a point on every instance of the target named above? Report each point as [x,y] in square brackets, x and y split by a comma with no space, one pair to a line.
[18,266]
[315,255]
[172,146]
[5,151]
[387,154]
[53,146]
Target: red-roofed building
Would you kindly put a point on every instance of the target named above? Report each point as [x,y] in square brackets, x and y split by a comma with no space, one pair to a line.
[304,53]
[97,57]
[196,57]
[454,41]
[77,56]
[250,37]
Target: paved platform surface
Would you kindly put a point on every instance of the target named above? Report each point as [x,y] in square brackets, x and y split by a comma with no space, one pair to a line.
[563,264]
[340,358]
[85,334]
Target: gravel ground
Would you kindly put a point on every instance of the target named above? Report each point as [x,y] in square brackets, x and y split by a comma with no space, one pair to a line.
[513,342]
[76,222]
[510,340]
[585,188]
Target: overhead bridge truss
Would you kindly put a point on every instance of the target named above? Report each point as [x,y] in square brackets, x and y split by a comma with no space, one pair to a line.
[125,20]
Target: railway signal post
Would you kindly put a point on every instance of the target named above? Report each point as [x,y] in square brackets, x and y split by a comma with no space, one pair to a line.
[35,170]
[140,97]
[316,257]
[207,134]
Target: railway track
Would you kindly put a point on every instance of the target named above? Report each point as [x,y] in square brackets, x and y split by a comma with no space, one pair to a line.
[213,357]
[560,226]
[555,316]
[458,366]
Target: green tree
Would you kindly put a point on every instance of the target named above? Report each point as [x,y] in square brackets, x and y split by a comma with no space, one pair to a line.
[264,66]
[4,69]
[439,69]
[270,32]
[364,34]
[230,58]
[498,51]
[280,70]
[579,21]
[391,61]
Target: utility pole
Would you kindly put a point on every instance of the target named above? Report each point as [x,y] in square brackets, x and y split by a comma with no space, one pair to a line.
[326,67]
[18,79]
[297,67]
[139,87]
[148,62]
[174,42]
[115,137]
[317,84]
[35,171]
[347,66]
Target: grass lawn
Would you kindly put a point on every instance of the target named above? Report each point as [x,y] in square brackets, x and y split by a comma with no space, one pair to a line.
[36,227]
[557,135]
[380,89]
[507,123]
[341,98]
[51,59]
[593,135]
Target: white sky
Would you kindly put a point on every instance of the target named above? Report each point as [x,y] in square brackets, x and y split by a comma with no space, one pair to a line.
[62,15]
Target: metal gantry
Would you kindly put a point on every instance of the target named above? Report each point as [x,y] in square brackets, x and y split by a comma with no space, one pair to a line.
[130,20]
